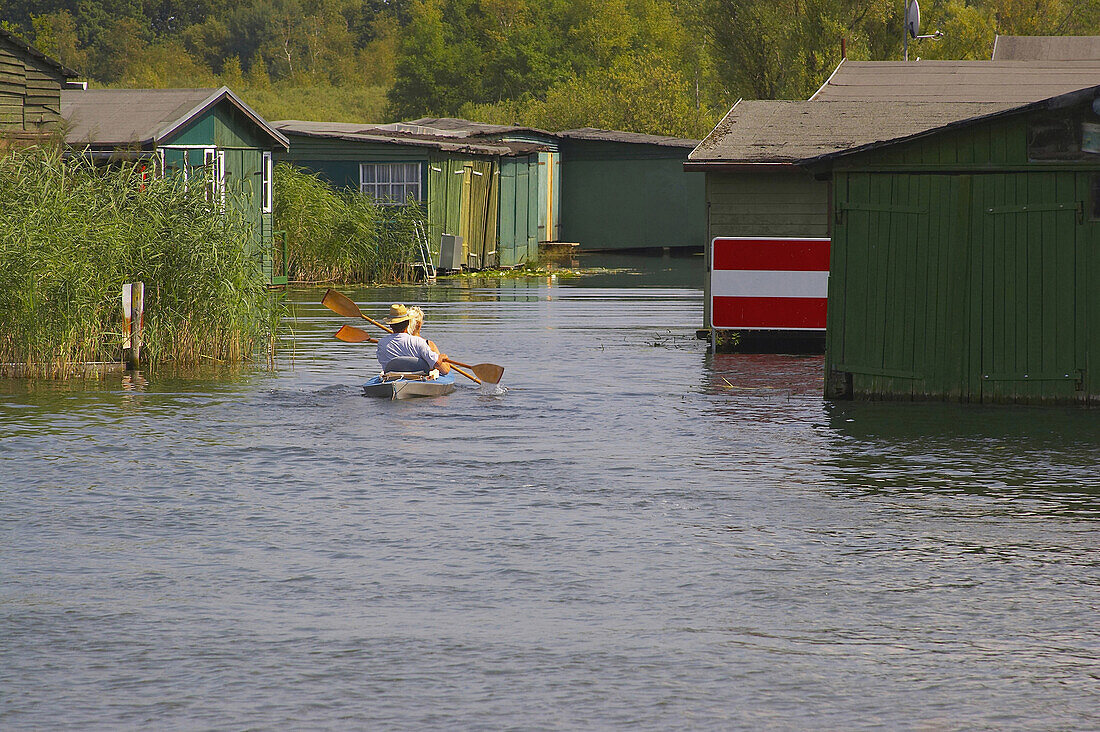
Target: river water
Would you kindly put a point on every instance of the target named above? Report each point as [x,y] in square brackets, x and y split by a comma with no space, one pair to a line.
[635,534]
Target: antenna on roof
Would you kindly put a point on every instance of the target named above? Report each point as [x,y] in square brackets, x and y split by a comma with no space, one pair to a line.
[912,27]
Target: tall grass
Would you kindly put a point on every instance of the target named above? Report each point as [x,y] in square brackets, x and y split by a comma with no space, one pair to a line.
[72,233]
[339,235]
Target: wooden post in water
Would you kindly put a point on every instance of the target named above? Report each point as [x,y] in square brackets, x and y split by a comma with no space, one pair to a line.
[133,311]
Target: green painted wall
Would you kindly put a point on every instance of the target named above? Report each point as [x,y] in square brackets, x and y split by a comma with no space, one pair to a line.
[242,143]
[628,196]
[519,189]
[968,279]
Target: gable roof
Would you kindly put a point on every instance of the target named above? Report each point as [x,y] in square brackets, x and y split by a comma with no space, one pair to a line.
[1046,48]
[786,132]
[1017,82]
[45,60]
[144,117]
[1059,101]
[356,132]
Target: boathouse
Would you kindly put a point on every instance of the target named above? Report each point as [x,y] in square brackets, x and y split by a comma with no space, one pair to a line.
[486,183]
[30,90]
[964,257]
[208,136]
[754,186]
[626,190]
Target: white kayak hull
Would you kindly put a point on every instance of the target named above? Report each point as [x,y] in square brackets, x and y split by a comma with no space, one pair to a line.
[408,386]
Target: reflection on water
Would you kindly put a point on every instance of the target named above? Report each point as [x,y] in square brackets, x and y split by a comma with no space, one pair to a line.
[634,533]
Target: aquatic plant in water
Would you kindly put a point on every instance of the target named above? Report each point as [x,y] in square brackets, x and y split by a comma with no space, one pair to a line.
[72,233]
[342,235]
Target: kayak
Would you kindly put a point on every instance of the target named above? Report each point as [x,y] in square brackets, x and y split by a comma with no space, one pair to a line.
[406,385]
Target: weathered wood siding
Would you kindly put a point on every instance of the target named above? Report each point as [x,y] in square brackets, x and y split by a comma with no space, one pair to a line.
[962,270]
[764,201]
[30,93]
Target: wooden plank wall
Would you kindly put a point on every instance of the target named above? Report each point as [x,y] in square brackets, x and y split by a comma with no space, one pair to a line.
[30,94]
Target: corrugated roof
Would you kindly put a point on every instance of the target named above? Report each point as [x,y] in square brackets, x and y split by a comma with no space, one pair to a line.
[773,131]
[354,132]
[1046,48]
[34,52]
[141,117]
[636,138]
[1016,82]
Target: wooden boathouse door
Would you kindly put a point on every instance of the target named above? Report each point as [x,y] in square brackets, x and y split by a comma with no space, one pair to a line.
[1025,267]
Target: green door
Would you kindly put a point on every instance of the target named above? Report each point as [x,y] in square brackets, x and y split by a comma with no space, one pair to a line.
[1026,271]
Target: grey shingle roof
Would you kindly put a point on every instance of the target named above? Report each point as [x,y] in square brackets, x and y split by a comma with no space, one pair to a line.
[106,118]
[1046,48]
[789,131]
[1017,82]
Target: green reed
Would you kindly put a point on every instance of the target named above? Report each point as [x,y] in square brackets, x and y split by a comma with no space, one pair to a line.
[341,235]
[72,233]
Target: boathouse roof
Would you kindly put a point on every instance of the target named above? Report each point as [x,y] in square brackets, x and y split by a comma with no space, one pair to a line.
[1017,82]
[1046,48]
[402,135]
[785,132]
[111,118]
[1057,102]
[635,138]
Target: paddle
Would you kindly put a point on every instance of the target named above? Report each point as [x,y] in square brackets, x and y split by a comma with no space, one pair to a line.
[489,372]
[344,305]
[350,334]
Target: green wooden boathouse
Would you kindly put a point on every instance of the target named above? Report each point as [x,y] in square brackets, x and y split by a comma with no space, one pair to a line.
[486,183]
[208,136]
[964,260]
[30,90]
[626,190]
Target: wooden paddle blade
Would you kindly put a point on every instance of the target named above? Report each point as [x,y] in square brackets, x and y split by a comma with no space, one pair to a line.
[349,334]
[490,373]
[341,304]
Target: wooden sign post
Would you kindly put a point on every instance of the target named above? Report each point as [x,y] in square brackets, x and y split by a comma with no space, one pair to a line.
[133,312]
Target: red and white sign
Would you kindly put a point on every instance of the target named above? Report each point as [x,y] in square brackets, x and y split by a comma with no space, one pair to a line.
[769,283]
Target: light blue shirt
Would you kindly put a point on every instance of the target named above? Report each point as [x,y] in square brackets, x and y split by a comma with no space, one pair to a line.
[403,345]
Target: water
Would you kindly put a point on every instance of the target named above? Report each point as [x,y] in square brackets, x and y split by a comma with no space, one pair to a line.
[634,534]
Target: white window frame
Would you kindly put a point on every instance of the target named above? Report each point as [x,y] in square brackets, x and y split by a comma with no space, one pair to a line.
[268,183]
[410,182]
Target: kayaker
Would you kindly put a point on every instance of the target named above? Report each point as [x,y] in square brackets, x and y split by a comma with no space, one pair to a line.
[402,351]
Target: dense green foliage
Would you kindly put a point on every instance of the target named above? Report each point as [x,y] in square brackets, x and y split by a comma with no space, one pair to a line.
[340,235]
[664,66]
[71,234]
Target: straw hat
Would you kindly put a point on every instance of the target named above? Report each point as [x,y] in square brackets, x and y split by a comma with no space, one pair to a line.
[398,314]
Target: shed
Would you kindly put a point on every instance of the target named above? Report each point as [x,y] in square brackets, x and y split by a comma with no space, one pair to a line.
[207,135]
[30,89]
[493,205]
[626,190]
[753,185]
[964,258]
[1046,48]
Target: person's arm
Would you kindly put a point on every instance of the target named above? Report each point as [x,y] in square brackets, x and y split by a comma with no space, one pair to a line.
[440,359]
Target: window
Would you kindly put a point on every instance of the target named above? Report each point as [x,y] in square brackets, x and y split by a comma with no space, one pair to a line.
[267,182]
[390,183]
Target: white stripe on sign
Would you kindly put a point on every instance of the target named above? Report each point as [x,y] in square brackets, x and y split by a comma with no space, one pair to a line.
[768,283]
